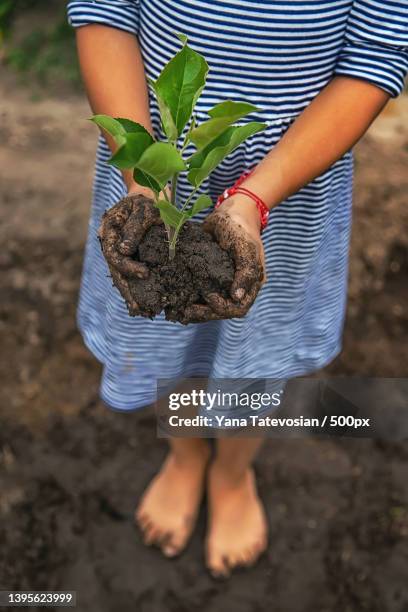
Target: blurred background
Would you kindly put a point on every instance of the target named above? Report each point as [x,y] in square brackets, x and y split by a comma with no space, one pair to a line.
[71,471]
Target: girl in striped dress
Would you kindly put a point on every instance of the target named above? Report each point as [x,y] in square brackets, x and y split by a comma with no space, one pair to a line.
[319,72]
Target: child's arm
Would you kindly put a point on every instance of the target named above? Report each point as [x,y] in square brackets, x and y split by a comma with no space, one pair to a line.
[113,73]
[326,129]
[330,126]
[370,68]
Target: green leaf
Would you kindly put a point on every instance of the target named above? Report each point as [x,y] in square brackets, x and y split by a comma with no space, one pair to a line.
[160,162]
[229,108]
[202,163]
[202,202]
[222,116]
[129,154]
[178,88]
[131,126]
[170,214]
[168,124]
[181,37]
[112,126]
[190,129]
[147,181]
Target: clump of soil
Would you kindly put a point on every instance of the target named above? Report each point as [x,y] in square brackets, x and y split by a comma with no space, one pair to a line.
[199,267]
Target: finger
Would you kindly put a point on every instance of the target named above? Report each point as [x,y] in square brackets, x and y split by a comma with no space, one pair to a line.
[118,214]
[248,266]
[132,234]
[122,284]
[219,226]
[248,270]
[134,215]
[143,216]
[246,253]
[124,265]
[226,308]
[199,313]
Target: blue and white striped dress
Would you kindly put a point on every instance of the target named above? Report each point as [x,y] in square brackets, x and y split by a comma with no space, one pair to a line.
[277,54]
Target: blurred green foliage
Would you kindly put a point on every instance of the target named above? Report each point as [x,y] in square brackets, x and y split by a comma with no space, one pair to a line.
[44,50]
[7,8]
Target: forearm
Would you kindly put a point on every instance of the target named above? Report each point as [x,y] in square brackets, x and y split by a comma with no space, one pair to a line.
[113,73]
[330,126]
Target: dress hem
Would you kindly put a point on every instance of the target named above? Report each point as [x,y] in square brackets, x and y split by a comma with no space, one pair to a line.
[146,402]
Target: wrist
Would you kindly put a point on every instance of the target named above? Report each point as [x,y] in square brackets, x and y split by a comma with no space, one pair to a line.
[245,208]
[266,184]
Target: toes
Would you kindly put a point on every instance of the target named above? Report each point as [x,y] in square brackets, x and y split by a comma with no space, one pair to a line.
[218,565]
[153,535]
[167,546]
[220,572]
[148,534]
[146,527]
[247,558]
[170,544]
[169,550]
[174,544]
[242,559]
[233,561]
[250,556]
[141,519]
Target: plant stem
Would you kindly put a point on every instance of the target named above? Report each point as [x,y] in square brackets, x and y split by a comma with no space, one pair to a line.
[173,242]
[172,250]
[170,235]
[174,189]
[187,202]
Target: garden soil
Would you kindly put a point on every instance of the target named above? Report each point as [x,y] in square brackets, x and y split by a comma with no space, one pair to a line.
[71,471]
[199,267]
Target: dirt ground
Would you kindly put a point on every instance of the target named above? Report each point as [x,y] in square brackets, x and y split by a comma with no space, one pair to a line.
[71,471]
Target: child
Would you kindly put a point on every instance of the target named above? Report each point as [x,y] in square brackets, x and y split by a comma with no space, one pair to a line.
[319,72]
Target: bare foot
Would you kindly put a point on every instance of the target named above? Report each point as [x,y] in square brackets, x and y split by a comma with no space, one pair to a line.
[238,531]
[168,509]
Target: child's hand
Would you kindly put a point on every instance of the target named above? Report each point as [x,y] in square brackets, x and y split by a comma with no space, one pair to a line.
[236,227]
[123,227]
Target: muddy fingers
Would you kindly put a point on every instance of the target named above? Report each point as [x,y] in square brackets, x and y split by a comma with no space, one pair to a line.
[226,308]
[215,274]
[122,228]
[199,313]
[247,252]
[122,284]
[142,216]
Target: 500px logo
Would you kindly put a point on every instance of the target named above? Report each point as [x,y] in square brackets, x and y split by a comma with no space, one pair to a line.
[207,400]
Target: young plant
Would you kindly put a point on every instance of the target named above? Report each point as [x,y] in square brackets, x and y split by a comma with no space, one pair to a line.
[155,164]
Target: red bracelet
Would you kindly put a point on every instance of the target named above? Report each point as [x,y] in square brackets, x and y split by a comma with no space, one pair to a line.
[236,188]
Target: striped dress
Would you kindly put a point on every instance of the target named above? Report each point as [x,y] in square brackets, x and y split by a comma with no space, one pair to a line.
[277,54]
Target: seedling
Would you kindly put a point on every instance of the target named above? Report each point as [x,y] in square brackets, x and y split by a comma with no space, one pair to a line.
[156,164]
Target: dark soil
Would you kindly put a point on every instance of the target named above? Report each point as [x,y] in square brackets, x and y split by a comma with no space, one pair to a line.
[199,267]
[71,471]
